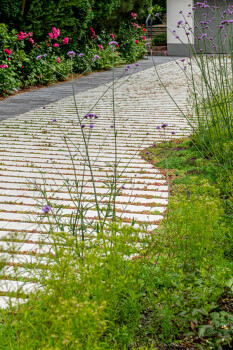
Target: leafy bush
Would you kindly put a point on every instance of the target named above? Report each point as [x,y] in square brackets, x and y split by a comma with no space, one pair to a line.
[131,40]
[159,40]
[74,17]
[21,68]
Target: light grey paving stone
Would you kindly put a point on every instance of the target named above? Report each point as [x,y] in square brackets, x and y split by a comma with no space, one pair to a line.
[7,302]
[16,286]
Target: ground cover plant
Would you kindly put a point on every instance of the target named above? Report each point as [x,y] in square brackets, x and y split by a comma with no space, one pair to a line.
[196,256]
[124,289]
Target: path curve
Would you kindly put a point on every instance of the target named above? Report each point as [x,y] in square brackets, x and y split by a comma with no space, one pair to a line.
[31,144]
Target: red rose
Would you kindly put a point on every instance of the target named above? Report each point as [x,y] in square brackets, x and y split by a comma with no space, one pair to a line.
[8,52]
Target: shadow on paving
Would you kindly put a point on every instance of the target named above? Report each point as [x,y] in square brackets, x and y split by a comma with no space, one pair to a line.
[22,103]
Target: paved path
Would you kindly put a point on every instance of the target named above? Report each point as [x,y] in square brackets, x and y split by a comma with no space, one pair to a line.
[23,103]
[31,147]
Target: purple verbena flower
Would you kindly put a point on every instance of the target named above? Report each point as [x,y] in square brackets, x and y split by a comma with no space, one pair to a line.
[164,125]
[81,55]
[113,44]
[83,125]
[96,57]
[54,120]
[91,126]
[136,64]
[129,67]
[38,57]
[71,54]
[46,208]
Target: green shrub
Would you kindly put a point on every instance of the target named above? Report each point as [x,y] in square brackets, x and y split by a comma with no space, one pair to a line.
[159,40]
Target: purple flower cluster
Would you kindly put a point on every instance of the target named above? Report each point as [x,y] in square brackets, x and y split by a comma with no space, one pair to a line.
[46,208]
[71,54]
[96,57]
[91,115]
[113,44]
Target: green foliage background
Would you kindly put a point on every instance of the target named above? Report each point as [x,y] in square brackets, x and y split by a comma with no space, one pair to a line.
[73,17]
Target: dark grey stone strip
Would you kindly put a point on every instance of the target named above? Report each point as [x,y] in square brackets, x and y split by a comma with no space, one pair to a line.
[27,101]
[181,50]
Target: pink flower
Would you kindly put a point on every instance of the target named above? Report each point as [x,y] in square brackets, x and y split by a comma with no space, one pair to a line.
[135,25]
[56,32]
[143,37]
[8,52]
[4,66]
[59,60]
[31,40]
[65,40]
[112,35]
[93,33]
[101,47]
[9,59]
[56,45]
[21,36]
[134,15]
[136,41]
[48,45]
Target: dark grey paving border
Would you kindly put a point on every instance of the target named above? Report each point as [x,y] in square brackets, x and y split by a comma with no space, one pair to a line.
[27,101]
